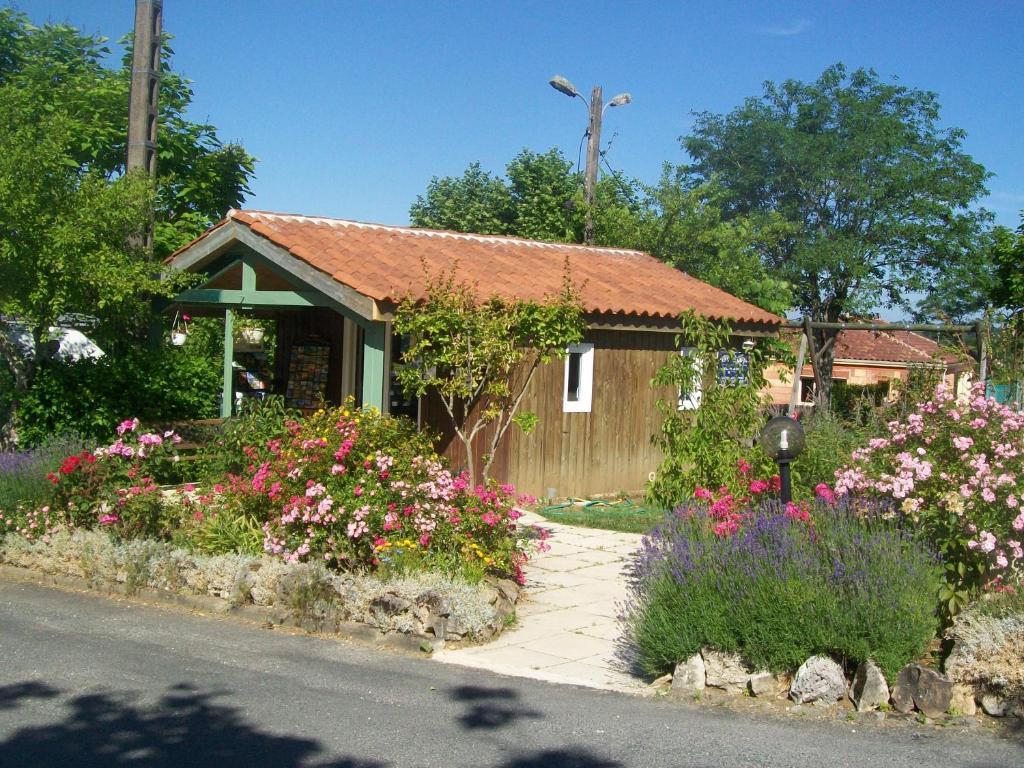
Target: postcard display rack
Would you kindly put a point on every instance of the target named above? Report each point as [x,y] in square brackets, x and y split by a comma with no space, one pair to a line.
[307,375]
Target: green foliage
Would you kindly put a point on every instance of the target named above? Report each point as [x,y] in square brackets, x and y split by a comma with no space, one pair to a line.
[69,213]
[830,442]
[535,201]
[91,397]
[879,197]
[702,447]
[244,437]
[1007,299]
[226,532]
[780,591]
[479,356]
[685,224]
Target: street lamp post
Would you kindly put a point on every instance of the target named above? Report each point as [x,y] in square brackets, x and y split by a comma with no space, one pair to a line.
[783,440]
[595,113]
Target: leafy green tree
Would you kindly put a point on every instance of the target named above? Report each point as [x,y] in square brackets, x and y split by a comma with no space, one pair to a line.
[198,177]
[879,196]
[680,223]
[537,200]
[686,225]
[1007,301]
[68,210]
[480,355]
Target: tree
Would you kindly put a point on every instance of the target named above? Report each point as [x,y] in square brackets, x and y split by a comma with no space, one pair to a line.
[480,356]
[878,195]
[536,201]
[1007,302]
[198,177]
[68,211]
[682,224]
[685,225]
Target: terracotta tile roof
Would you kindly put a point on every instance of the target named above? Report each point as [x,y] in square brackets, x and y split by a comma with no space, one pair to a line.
[889,346]
[384,263]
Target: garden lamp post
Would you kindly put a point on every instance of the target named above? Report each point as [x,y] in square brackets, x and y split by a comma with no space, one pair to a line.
[595,112]
[783,440]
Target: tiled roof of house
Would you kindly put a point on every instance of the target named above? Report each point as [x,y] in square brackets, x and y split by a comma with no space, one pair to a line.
[386,264]
[889,346]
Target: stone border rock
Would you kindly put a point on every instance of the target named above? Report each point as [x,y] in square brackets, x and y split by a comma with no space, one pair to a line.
[424,612]
[821,681]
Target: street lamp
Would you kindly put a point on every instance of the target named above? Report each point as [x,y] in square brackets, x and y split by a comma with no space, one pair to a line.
[595,110]
[783,440]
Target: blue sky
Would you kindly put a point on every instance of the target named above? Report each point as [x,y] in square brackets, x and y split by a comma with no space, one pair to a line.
[352,107]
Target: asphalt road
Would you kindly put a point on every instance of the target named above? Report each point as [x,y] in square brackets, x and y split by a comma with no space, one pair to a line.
[89,681]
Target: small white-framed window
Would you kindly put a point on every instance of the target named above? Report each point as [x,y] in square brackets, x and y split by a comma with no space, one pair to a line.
[578,387]
[690,401]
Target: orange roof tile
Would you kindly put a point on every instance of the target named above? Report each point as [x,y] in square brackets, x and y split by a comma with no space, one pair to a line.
[384,263]
[889,346]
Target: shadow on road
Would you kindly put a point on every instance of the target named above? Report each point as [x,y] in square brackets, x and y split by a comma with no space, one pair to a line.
[490,707]
[562,758]
[184,727]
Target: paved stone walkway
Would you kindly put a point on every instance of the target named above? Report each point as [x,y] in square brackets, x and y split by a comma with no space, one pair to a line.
[566,628]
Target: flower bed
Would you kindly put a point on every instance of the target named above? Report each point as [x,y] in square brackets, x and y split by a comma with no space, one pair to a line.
[350,489]
[778,585]
[954,469]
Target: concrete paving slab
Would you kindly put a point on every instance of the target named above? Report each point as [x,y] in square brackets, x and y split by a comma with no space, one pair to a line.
[567,626]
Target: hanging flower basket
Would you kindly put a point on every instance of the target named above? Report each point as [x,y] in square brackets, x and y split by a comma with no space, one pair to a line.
[178,338]
[252,336]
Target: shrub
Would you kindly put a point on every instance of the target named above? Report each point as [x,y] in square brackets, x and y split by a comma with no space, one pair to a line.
[955,469]
[830,443]
[244,438]
[785,586]
[358,490]
[988,645]
[702,447]
[117,486]
[90,396]
[23,474]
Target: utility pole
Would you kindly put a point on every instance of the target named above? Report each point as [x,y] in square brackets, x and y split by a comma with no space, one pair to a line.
[593,158]
[595,113]
[144,94]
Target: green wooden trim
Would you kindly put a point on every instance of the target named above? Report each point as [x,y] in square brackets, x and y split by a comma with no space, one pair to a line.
[227,400]
[254,298]
[373,364]
[248,277]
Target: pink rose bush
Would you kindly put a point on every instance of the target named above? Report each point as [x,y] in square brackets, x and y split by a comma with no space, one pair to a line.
[115,486]
[728,511]
[955,469]
[357,490]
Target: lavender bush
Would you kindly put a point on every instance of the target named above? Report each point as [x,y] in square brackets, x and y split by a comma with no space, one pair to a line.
[23,474]
[780,589]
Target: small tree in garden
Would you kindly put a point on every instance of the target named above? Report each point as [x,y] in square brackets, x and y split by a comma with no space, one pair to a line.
[708,431]
[480,356]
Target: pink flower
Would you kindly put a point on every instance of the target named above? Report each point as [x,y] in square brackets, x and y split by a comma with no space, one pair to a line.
[128,425]
[962,443]
[823,492]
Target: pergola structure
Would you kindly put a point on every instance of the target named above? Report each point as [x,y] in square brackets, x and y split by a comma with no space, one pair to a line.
[245,272]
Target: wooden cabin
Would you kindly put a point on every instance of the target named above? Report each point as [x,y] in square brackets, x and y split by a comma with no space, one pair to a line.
[333,286]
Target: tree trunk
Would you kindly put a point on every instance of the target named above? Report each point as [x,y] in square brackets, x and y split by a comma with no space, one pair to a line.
[22,368]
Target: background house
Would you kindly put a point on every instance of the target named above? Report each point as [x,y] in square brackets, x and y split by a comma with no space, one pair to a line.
[864,358]
[333,286]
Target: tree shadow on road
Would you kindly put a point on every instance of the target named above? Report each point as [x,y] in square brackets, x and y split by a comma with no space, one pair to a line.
[490,707]
[185,727]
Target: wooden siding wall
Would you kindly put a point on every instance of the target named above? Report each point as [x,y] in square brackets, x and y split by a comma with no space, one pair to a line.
[583,454]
